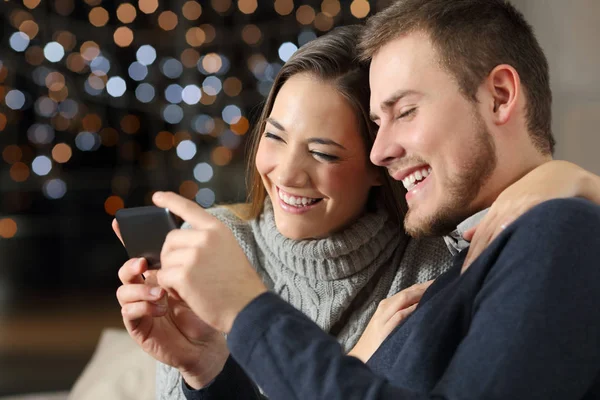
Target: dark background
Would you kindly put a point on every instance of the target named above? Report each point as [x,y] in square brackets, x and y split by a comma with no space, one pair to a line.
[58,269]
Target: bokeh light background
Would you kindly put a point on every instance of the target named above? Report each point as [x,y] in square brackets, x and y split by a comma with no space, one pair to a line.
[102,103]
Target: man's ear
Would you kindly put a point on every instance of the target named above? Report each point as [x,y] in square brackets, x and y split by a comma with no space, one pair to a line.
[504,87]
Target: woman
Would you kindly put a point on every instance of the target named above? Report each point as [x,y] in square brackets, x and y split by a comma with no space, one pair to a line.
[323,227]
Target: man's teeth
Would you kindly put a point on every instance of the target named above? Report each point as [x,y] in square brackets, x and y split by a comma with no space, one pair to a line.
[296,201]
[413,179]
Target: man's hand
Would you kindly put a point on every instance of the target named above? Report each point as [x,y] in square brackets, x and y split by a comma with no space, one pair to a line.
[205,266]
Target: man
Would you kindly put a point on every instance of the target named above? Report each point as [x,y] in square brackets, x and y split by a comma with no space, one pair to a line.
[459,88]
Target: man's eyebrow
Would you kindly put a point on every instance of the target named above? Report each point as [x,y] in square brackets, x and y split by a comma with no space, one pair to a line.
[275,124]
[396,97]
[326,141]
[391,101]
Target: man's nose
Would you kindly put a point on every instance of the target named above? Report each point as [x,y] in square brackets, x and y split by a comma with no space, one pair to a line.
[386,148]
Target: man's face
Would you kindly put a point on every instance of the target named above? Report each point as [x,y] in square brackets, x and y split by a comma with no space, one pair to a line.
[430,136]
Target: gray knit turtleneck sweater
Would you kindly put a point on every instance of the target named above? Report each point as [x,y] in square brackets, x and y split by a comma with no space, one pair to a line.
[337,281]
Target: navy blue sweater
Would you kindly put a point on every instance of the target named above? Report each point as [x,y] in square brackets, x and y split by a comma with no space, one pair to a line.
[522,323]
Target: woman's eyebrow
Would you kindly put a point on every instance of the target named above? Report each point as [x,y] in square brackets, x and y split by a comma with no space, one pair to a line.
[325,141]
[276,124]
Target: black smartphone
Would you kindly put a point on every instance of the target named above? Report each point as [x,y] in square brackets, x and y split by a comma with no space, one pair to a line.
[144,230]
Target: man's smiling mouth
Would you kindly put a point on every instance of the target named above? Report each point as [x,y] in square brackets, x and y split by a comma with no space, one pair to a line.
[412,180]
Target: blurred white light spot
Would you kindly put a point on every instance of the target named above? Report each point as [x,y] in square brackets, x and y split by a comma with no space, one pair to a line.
[54,52]
[224,66]
[171,68]
[264,87]
[186,150]
[68,108]
[230,140]
[286,50]
[91,90]
[137,71]
[306,37]
[100,66]
[212,85]
[231,114]
[205,197]
[41,165]
[15,99]
[90,52]
[146,54]
[96,82]
[116,86]
[46,107]
[19,41]
[191,94]
[203,124]
[54,188]
[173,114]
[144,92]
[258,68]
[203,172]
[173,93]
[40,74]
[40,134]
[271,71]
[87,141]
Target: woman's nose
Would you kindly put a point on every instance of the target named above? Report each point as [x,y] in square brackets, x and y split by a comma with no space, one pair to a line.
[292,173]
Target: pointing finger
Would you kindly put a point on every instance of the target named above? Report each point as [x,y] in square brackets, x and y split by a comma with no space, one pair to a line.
[188,210]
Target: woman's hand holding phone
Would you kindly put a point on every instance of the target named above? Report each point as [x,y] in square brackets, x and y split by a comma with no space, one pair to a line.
[165,327]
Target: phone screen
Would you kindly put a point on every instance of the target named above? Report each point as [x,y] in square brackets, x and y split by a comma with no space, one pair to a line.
[144,230]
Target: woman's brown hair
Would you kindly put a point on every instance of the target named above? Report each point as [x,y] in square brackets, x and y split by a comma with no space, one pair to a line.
[333,59]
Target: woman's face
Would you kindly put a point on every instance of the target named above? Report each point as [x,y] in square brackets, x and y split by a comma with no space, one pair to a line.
[312,160]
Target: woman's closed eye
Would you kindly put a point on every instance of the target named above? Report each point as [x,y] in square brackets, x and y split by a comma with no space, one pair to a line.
[273,136]
[324,156]
[317,154]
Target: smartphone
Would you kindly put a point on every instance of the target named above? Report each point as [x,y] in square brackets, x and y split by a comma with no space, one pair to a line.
[144,230]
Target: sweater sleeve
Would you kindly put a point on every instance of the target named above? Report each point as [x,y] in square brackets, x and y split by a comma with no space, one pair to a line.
[168,383]
[535,331]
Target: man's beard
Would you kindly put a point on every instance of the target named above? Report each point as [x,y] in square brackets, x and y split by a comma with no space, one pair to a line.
[462,189]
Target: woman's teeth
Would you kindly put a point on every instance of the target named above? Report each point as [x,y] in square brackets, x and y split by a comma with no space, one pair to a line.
[413,179]
[296,201]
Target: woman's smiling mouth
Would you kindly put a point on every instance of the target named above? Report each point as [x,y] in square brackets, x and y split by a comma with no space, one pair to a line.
[295,201]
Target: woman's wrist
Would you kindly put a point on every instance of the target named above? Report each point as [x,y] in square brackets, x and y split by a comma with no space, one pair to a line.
[204,370]
[201,377]
[357,353]
[197,382]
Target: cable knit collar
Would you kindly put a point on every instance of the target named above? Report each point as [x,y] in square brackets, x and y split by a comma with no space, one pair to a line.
[367,242]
